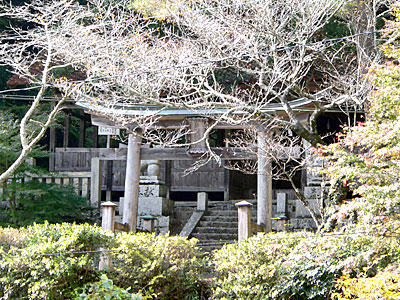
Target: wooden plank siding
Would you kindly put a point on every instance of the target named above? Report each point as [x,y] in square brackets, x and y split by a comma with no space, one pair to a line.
[208,178]
[79,159]
[80,180]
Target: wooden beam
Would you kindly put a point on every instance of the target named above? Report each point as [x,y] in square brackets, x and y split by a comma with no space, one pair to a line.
[168,124]
[179,153]
[174,154]
[226,184]
[82,131]
[67,125]
[52,146]
[95,137]
[198,127]
[195,188]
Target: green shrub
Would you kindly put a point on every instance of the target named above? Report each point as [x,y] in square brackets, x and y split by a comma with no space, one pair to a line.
[35,202]
[168,267]
[297,265]
[247,270]
[105,289]
[383,286]
[28,268]
[51,261]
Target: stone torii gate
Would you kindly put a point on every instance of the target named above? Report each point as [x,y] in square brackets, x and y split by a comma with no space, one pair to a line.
[134,153]
[131,198]
[170,119]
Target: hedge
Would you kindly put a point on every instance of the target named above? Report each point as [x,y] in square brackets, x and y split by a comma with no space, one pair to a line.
[52,261]
[298,265]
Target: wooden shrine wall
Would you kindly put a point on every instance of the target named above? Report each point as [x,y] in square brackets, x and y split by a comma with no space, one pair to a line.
[207,178]
[210,177]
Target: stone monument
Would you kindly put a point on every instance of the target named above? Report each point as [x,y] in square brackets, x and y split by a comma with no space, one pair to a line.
[152,197]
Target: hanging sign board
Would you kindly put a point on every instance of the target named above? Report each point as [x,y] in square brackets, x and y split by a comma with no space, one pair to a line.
[108,130]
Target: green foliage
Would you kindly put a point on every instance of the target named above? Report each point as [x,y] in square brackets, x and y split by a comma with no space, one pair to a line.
[105,289]
[28,267]
[297,265]
[10,145]
[168,267]
[35,201]
[367,157]
[383,286]
[58,261]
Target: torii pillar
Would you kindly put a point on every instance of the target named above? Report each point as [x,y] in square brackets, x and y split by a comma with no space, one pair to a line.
[132,180]
[264,184]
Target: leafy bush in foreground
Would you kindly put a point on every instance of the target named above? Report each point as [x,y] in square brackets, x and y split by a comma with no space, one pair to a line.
[297,265]
[27,268]
[159,265]
[105,289]
[162,266]
[383,286]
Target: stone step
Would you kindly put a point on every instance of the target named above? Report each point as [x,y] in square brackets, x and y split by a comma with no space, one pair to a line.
[185,204]
[220,218]
[217,224]
[229,203]
[209,230]
[184,208]
[215,212]
[215,236]
[210,245]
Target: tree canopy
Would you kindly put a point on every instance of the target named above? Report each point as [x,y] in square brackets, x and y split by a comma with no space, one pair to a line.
[366,157]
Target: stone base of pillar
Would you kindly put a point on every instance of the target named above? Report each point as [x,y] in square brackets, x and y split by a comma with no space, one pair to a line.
[153,201]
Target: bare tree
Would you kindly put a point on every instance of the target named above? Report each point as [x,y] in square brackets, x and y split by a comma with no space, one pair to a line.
[24,52]
[246,59]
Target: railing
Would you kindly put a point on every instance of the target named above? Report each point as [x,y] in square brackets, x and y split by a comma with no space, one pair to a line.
[80,180]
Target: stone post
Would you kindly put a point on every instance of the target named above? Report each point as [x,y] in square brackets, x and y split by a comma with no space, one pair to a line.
[244,216]
[132,179]
[281,219]
[202,201]
[95,183]
[108,216]
[148,223]
[107,224]
[264,184]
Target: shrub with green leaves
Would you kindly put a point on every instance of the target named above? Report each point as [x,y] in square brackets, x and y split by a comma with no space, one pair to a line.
[26,202]
[105,289]
[52,261]
[36,261]
[168,267]
[383,286]
[36,201]
[297,265]
[366,158]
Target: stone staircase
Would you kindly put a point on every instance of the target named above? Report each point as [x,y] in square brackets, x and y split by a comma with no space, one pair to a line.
[219,225]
